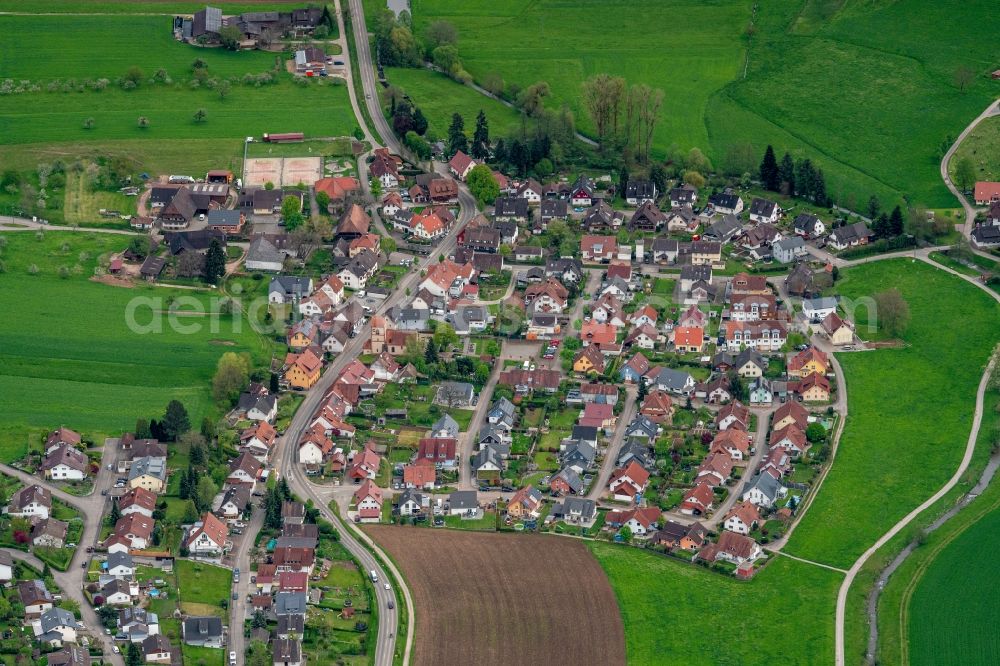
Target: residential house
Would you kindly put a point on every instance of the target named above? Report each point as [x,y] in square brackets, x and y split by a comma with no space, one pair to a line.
[598,248]
[764,211]
[733,415]
[638,192]
[531,191]
[362,267]
[137,623]
[588,360]
[715,469]
[690,275]
[808,362]
[733,442]
[259,440]
[724,229]
[800,281]
[120,565]
[565,269]
[601,218]
[487,464]
[699,500]
[49,532]
[526,381]
[628,482]
[463,502]
[634,369]
[208,537]
[6,568]
[412,503]
[732,547]
[460,165]
[56,626]
[688,339]
[808,226]
[137,500]
[116,593]
[760,335]
[234,503]
[683,195]
[664,250]
[644,337]
[597,333]
[575,510]
[286,652]
[65,463]
[149,473]
[69,655]
[790,413]
[157,650]
[838,331]
[202,631]
[760,391]
[288,289]
[419,475]
[763,491]
[817,309]
[525,503]
[303,370]
[365,465]
[440,451]
[849,235]
[600,393]
[670,380]
[814,388]
[368,498]
[658,407]
[566,482]
[727,202]
[787,250]
[791,438]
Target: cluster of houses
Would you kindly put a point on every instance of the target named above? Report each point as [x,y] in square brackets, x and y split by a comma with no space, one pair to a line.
[986,234]
[281,589]
[254,28]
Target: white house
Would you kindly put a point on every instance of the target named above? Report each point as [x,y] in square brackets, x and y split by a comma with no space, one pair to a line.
[742,518]
[412,503]
[208,537]
[763,491]
[762,210]
[789,249]
[55,627]
[818,309]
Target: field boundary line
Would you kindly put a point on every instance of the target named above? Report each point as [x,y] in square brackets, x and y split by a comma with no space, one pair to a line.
[804,560]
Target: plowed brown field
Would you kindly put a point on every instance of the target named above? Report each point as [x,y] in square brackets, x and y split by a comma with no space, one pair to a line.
[488,598]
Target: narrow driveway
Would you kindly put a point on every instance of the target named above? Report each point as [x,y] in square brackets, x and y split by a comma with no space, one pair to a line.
[600,483]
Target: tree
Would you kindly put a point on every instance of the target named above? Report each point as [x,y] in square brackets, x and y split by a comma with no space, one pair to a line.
[964,76]
[446,57]
[215,262]
[200,115]
[224,88]
[231,374]
[658,176]
[439,33]
[531,99]
[388,244]
[819,195]
[603,97]
[965,173]
[493,83]
[419,121]
[197,451]
[229,36]
[260,654]
[140,246]
[874,206]
[880,227]
[786,175]
[134,655]
[483,184]
[893,312]
[205,491]
[114,514]
[322,200]
[134,75]
[805,177]
[191,264]
[896,221]
[430,352]
[445,336]
[481,137]
[769,174]
[456,135]
[694,178]
[815,433]
[199,64]
[175,421]
[88,123]
[143,122]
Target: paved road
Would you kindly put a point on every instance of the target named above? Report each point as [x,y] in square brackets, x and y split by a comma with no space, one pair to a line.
[970,212]
[600,483]
[912,515]
[760,448]
[468,440]
[92,507]
[241,559]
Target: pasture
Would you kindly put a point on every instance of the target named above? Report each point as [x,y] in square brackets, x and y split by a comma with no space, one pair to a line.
[203,584]
[68,356]
[439,97]
[511,599]
[982,146]
[866,90]
[689,49]
[673,611]
[910,409]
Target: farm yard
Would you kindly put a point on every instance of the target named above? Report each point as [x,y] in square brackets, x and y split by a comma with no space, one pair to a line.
[82,365]
[672,612]
[879,134]
[896,441]
[465,584]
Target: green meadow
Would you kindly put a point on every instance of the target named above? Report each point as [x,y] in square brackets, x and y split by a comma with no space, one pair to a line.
[865,89]
[69,357]
[679,613]
[909,409]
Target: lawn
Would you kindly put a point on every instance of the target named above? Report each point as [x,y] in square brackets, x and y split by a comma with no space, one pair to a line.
[673,611]
[910,410]
[203,584]
[563,43]
[439,97]
[865,89]
[68,356]
[982,146]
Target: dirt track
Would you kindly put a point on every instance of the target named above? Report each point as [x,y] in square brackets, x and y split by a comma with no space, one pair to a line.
[489,598]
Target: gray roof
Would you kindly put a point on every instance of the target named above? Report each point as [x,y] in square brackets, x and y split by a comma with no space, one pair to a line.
[156,467]
[822,303]
[577,451]
[57,617]
[118,559]
[224,217]
[762,207]
[747,356]
[641,425]
[571,478]
[585,508]
[586,433]
[672,379]
[790,243]
[464,499]
[725,228]
[263,250]
[290,603]
[202,628]
[290,285]
[692,272]
[411,494]
[767,484]
[446,424]
[634,449]
[487,455]
[502,408]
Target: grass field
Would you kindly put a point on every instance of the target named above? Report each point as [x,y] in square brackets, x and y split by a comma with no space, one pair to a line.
[982,146]
[954,611]
[67,355]
[865,89]
[439,97]
[910,409]
[512,599]
[563,43]
[46,122]
[203,584]
[675,613]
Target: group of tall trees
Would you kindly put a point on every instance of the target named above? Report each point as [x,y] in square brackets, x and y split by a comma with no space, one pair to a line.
[885,225]
[624,116]
[801,179]
[170,428]
[272,504]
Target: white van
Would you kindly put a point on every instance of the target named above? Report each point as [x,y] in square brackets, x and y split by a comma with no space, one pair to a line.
[374,575]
